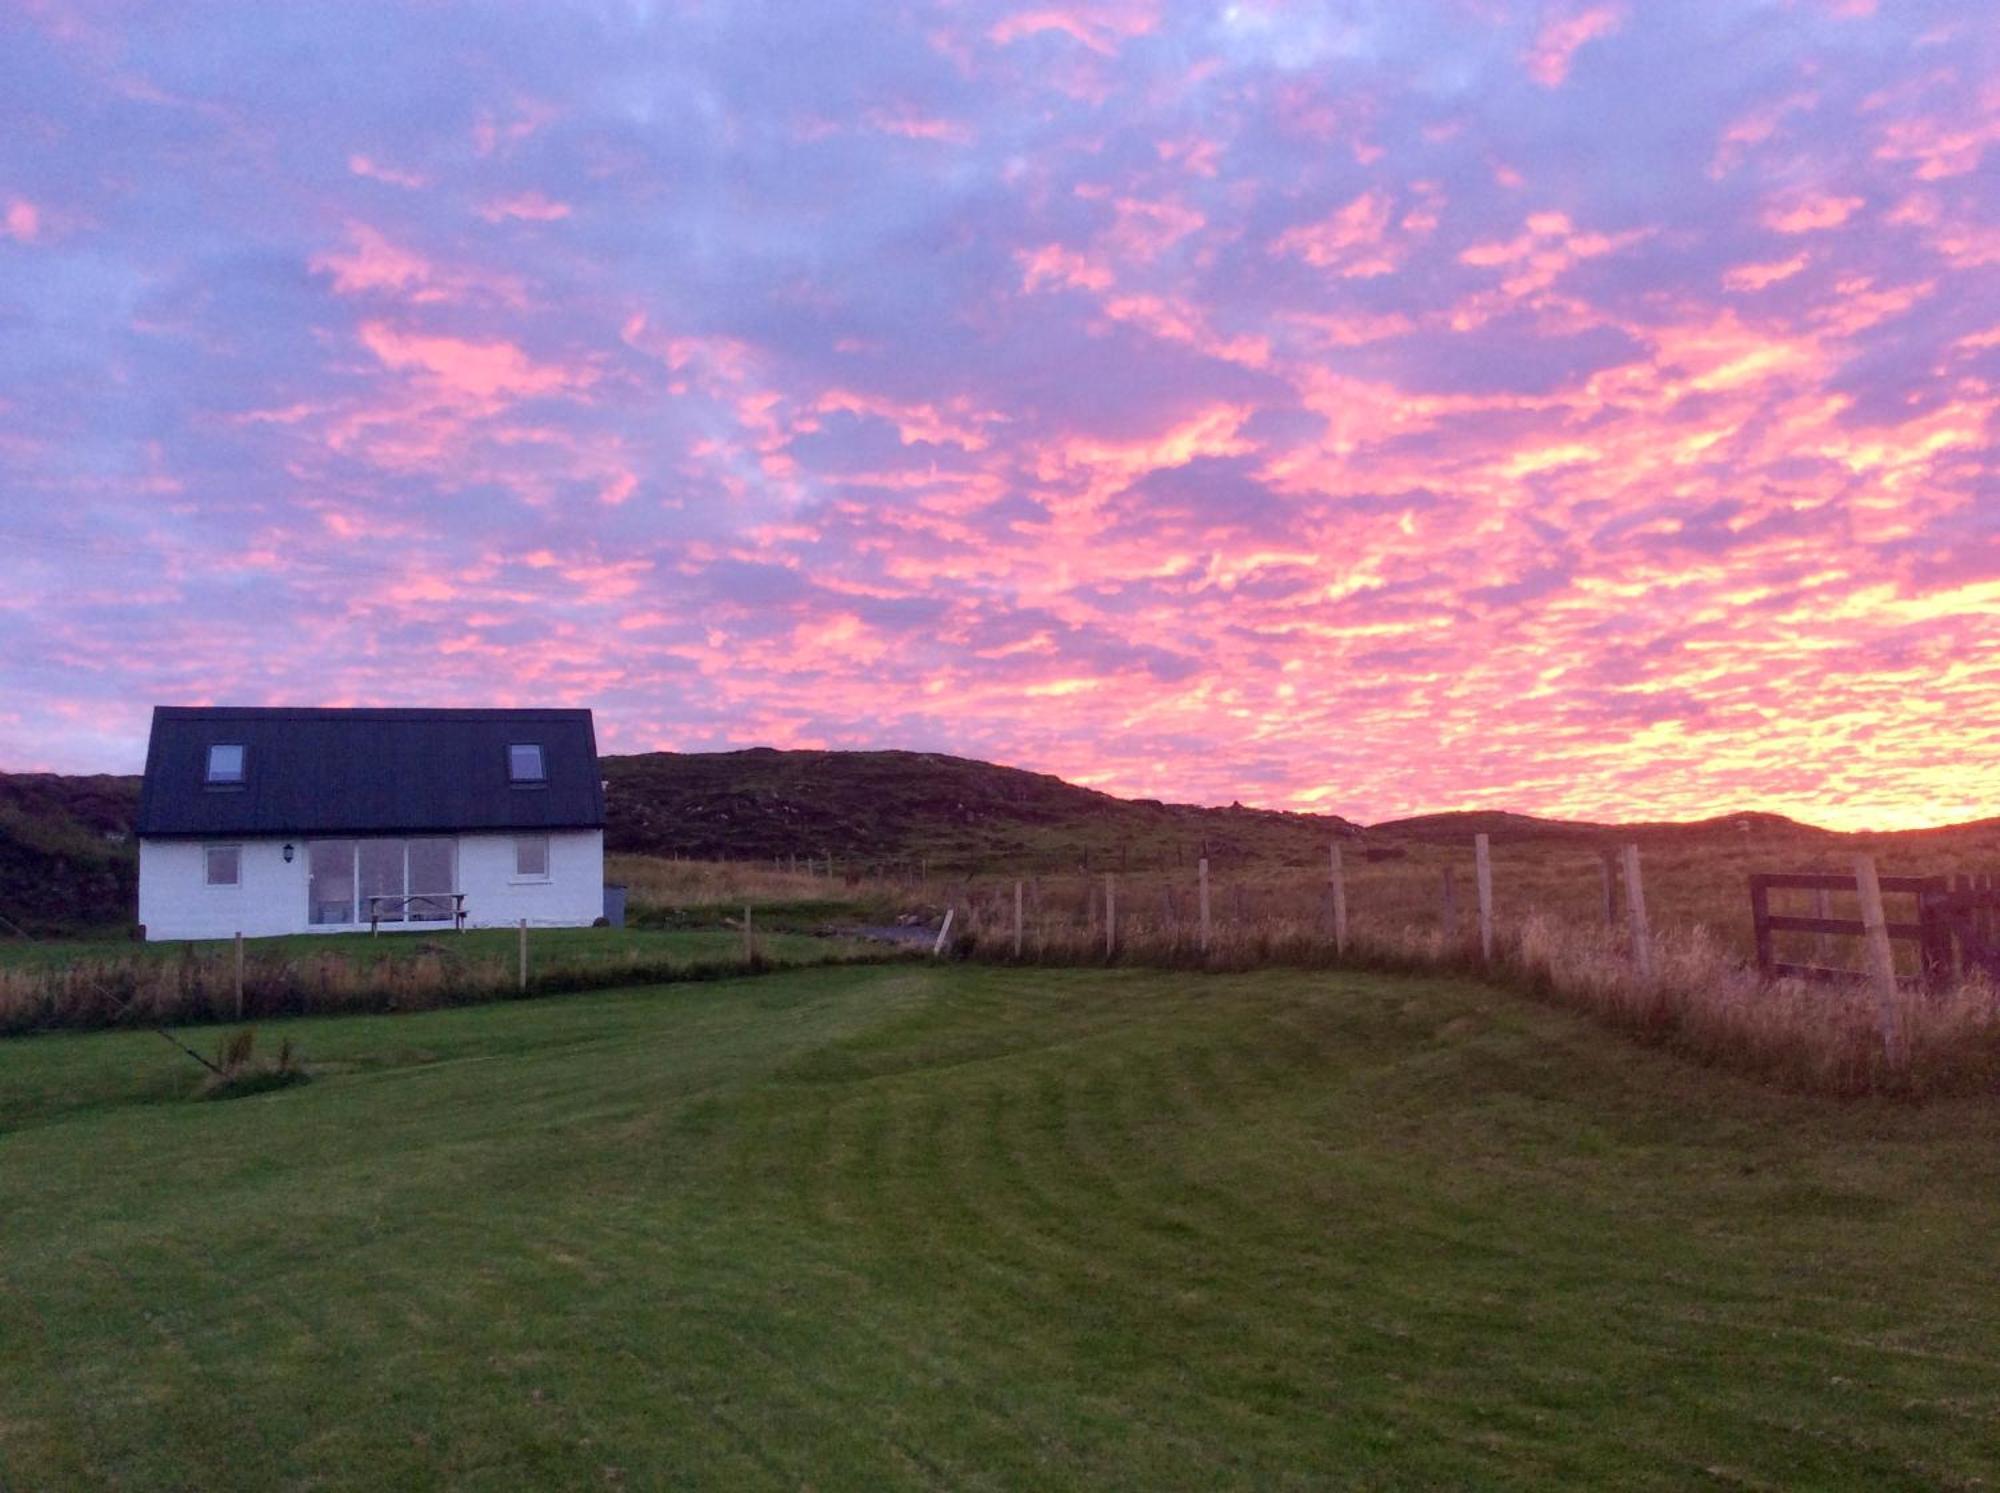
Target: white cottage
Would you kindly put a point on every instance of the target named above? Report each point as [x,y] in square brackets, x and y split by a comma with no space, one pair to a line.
[268,821]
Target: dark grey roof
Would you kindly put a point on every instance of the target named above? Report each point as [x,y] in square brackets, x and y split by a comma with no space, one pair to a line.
[321,772]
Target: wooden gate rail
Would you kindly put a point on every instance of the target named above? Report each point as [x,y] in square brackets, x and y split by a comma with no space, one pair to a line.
[1932,932]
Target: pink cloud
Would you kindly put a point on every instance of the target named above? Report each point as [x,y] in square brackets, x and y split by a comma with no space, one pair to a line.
[1353,241]
[528,207]
[1563,36]
[23,221]
[492,134]
[1547,250]
[374,170]
[1175,319]
[1810,212]
[913,124]
[1750,277]
[953,421]
[478,370]
[1940,150]
[1145,229]
[1197,154]
[372,264]
[1052,264]
[1102,27]
[1756,127]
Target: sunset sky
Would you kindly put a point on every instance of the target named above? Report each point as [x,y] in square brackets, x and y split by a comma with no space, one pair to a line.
[1375,407]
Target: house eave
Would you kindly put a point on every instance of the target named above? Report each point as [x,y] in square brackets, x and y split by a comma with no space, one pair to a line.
[351,832]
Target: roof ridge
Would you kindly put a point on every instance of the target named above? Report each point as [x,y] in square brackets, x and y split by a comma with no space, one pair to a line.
[461,712]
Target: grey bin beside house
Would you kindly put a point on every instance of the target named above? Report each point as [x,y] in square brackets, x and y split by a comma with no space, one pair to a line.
[614,904]
[270,821]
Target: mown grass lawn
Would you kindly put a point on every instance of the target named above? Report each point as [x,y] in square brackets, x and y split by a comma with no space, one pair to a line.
[957,1227]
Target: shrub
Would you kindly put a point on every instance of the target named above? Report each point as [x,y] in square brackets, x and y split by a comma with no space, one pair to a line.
[237,1072]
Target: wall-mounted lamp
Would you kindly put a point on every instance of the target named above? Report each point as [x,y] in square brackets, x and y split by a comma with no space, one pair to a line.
[288,855]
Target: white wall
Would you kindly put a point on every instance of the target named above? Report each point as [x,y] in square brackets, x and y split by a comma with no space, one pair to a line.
[572,897]
[175,902]
[270,896]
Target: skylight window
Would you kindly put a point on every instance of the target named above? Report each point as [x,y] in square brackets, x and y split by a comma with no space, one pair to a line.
[524,764]
[225,764]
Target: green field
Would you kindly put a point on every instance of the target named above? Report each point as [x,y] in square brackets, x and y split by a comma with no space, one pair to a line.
[955,1227]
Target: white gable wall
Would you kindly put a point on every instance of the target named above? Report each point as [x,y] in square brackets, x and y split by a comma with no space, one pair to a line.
[270,897]
[572,897]
[175,902]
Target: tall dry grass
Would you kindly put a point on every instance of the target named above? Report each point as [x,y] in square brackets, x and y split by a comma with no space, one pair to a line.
[1701,998]
[1686,886]
[661,889]
[141,992]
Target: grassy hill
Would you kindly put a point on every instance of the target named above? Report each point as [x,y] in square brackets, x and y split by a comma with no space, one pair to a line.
[1503,827]
[947,1227]
[66,856]
[899,808]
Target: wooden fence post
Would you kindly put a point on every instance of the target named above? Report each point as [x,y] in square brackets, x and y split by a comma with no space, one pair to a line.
[1635,913]
[524,956]
[239,975]
[1955,931]
[1934,934]
[1483,866]
[1760,926]
[1018,926]
[1110,914]
[944,932]
[749,937]
[1339,900]
[1822,942]
[1609,872]
[1201,873]
[1881,958]
[1450,894]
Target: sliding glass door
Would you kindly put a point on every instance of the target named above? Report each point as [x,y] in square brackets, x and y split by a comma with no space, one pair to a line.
[433,877]
[380,879]
[390,881]
[330,882]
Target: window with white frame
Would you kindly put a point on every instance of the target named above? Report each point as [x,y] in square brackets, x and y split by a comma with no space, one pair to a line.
[222,864]
[531,858]
[225,764]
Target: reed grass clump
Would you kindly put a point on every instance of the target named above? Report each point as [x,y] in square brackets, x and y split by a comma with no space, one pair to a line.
[238,1071]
